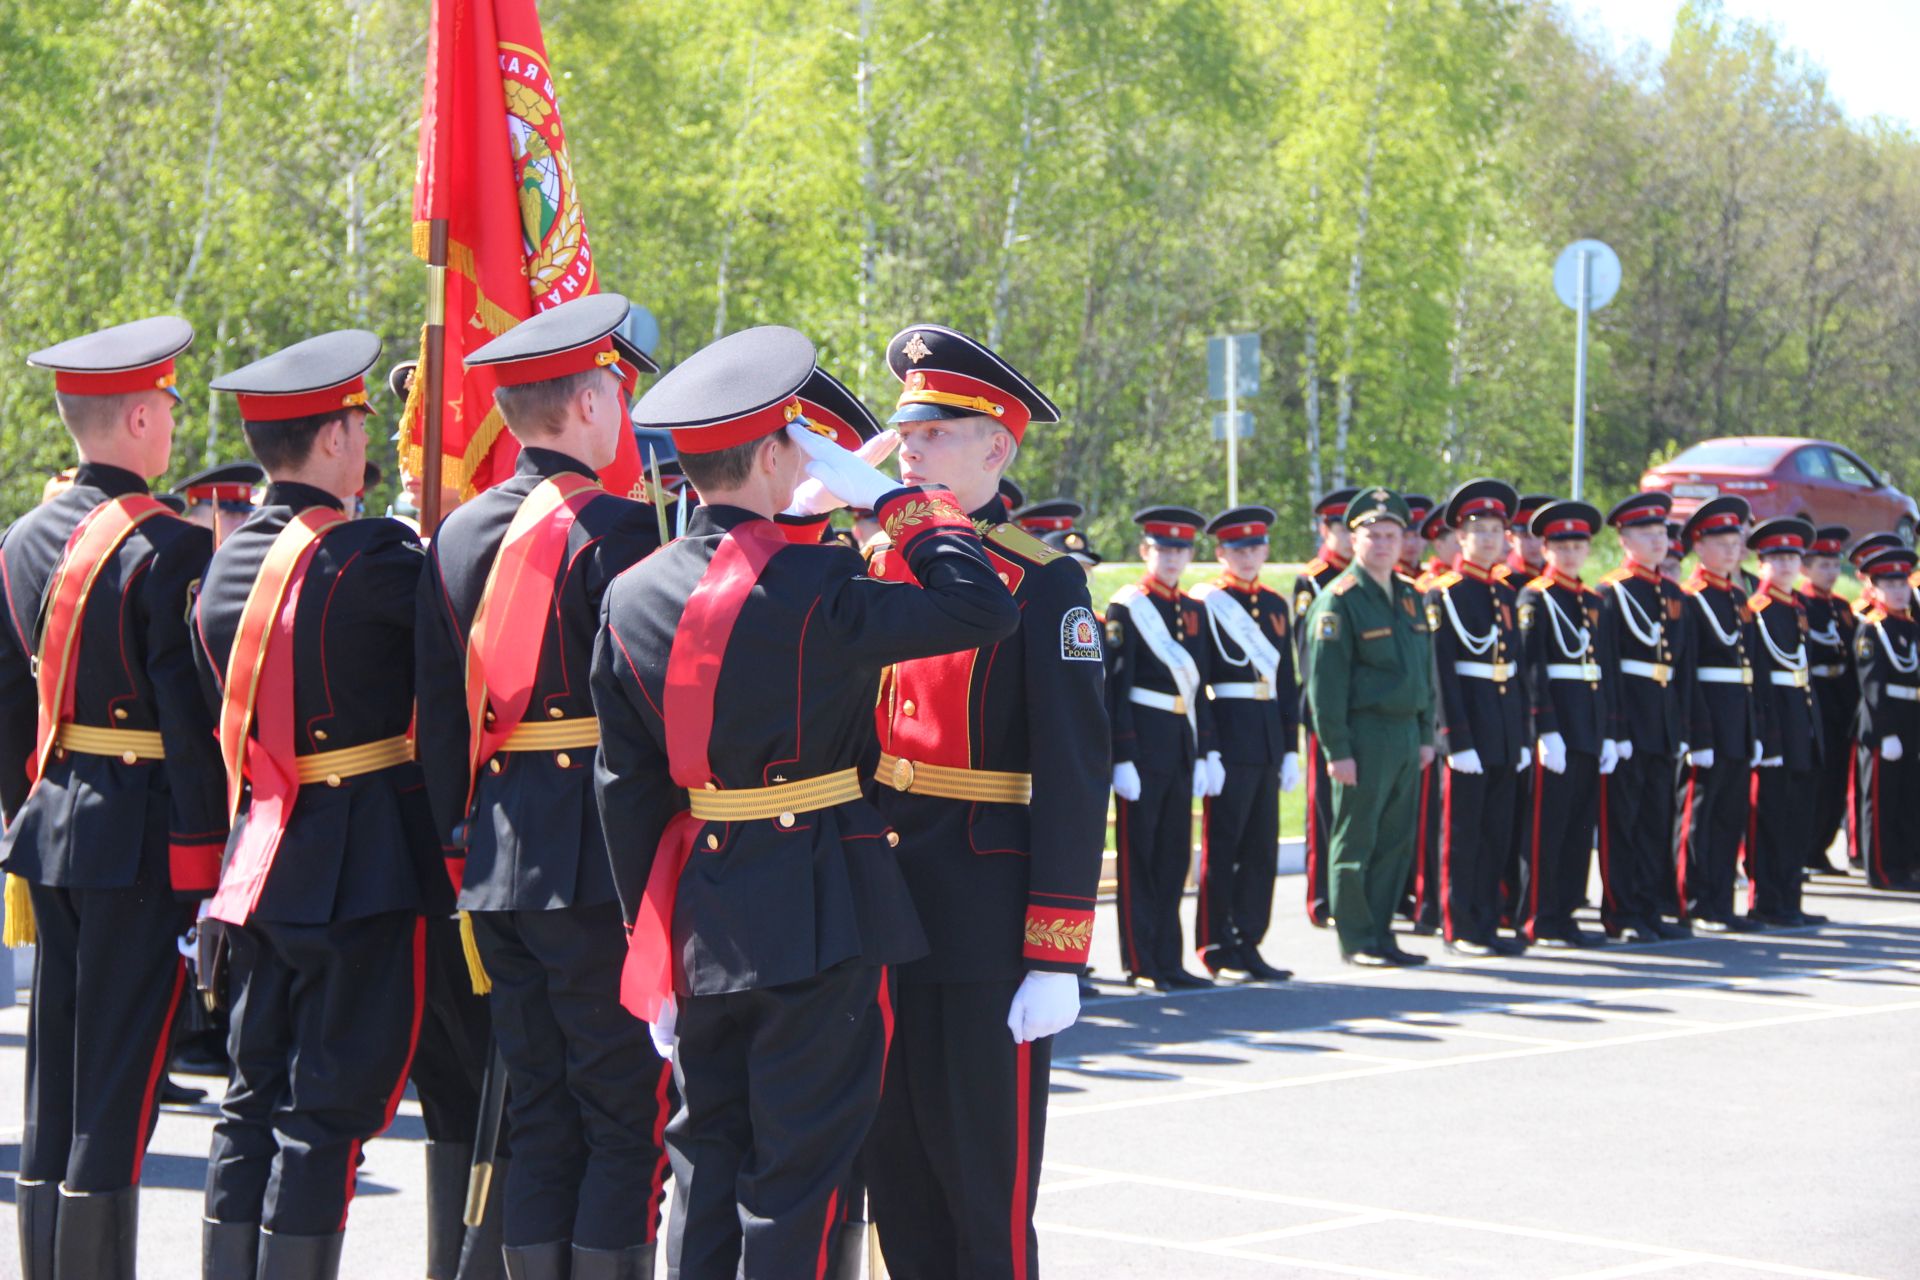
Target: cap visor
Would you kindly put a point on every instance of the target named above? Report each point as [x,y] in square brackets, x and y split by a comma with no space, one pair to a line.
[928,413]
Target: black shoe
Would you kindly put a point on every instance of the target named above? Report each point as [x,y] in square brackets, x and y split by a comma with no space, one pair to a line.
[1510,946]
[1707,924]
[230,1250]
[95,1234]
[1087,990]
[1404,959]
[1557,941]
[538,1261]
[1369,960]
[635,1263]
[1321,921]
[1806,919]
[1472,949]
[1743,924]
[1221,959]
[1260,969]
[173,1093]
[37,1206]
[1424,929]
[195,1058]
[1149,982]
[1758,922]
[1672,930]
[1634,931]
[1178,977]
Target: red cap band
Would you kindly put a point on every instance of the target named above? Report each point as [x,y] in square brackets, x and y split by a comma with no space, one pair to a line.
[1780,542]
[227,492]
[517,373]
[715,436]
[1559,528]
[1635,515]
[1045,524]
[1715,523]
[956,390]
[118,382]
[1825,548]
[1890,569]
[1232,531]
[1333,512]
[1482,506]
[1168,529]
[841,431]
[351,394]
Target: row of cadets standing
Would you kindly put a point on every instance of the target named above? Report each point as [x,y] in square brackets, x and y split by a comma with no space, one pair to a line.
[1334,554]
[1886,651]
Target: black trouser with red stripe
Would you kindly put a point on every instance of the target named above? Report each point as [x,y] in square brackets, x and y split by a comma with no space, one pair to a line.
[1562,811]
[1832,777]
[1885,827]
[1239,857]
[1636,841]
[1476,825]
[1516,885]
[324,1022]
[1423,873]
[953,1163]
[107,981]
[586,1093]
[1778,836]
[1154,839]
[1319,829]
[779,1087]
[1710,821]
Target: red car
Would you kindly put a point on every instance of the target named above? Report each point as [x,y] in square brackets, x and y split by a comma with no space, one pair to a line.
[1787,476]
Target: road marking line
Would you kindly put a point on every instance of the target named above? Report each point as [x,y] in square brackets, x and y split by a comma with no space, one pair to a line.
[1301,1229]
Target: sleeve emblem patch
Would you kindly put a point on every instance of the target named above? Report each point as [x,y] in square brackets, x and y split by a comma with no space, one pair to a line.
[1115,631]
[1080,636]
[1329,626]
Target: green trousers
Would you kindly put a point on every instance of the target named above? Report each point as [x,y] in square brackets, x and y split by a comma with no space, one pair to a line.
[1371,842]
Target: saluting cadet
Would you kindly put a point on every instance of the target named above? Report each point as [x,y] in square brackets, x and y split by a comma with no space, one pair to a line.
[1724,730]
[735,676]
[1256,703]
[1836,686]
[1642,647]
[220,497]
[304,641]
[1526,553]
[1560,664]
[1370,685]
[1002,871]
[1482,718]
[1886,651]
[1780,830]
[1423,877]
[1164,753]
[110,784]
[509,605]
[1334,554]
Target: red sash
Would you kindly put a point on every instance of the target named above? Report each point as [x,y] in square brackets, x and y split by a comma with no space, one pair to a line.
[259,686]
[503,645]
[693,673]
[92,543]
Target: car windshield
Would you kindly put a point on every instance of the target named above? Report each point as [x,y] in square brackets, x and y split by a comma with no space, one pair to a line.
[1727,453]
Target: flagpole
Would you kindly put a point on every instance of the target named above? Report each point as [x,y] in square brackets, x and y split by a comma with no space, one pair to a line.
[432,465]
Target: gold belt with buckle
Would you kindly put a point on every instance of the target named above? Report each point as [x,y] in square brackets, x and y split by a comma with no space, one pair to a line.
[131,745]
[780,801]
[554,735]
[334,767]
[982,786]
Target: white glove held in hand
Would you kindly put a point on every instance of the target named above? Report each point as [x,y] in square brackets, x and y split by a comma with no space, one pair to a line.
[1609,757]
[1759,754]
[1701,757]
[1126,781]
[661,1030]
[1890,748]
[1202,779]
[1553,753]
[1046,1004]
[1625,747]
[1290,771]
[1525,761]
[1216,774]
[1467,761]
[844,475]
[811,497]
[1772,762]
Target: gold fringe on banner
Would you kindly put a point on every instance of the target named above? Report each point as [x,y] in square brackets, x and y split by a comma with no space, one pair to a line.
[17,929]
[476,967]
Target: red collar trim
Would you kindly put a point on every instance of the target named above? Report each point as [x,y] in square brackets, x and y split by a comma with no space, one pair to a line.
[1468,569]
[1155,587]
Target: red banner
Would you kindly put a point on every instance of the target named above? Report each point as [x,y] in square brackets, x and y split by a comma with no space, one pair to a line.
[494,164]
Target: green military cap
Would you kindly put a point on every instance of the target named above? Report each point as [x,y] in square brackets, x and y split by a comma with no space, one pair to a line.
[1369,505]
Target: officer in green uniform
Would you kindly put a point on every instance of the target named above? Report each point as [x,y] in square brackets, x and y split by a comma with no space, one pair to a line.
[1370,688]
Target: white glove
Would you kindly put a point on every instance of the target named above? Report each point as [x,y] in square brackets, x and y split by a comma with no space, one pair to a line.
[1553,753]
[1467,761]
[1525,761]
[1753,761]
[1625,748]
[853,482]
[1126,781]
[1701,757]
[1771,762]
[1046,1004]
[1290,771]
[811,497]
[1609,757]
[1202,779]
[1216,774]
[661,1029]
[1890,748]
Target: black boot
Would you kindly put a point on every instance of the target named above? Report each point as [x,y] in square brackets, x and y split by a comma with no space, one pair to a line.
[480,1256]
[539,1261]
[635,1263]
[228,1250]
[96,1233]
[284,1257]
[448,1164]
[37,1205]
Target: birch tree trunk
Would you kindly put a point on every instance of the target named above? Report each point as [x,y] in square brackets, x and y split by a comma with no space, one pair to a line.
[1356,268]
[1010,228]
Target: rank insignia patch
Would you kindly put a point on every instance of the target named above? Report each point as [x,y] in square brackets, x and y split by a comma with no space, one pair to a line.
[1302,602]
[1080,636]
[1115,632]
[1526,617]
[1329,626]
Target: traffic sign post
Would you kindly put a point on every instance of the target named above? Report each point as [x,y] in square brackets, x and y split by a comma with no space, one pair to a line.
[1233,371]
[1586,276]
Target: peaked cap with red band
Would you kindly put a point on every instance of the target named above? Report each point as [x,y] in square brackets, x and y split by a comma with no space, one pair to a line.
[1651,507]
[826,402]
[1564,521]
[1787,533]
[1071,542]
[740,389]
[1871,545]
[1012,494]
[1169,526]
[136,356]
[1675,547]
[1528,506]
[1419,507]
[1242,526]
[574,337]
[945,374]
[1333,507]
[1725,514]
[1481,498]
[1888,562]
[1829,540]
[1052,516]
[325,374]
[225,482]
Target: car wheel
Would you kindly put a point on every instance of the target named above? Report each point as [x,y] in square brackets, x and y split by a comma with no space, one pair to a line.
[1904,530]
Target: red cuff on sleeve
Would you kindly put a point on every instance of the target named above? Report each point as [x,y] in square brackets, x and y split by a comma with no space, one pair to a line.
[1058,935]
[456,870]
[913,513]
[194,868]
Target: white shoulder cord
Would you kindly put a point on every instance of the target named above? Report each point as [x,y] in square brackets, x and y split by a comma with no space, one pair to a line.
[1727,638]
[1905,666]
[1795,661]
[1644,629]
[1468,641]
[1563,626]
[1220,643]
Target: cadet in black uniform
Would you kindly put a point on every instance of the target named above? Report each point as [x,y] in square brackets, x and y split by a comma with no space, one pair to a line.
[1886,651]
[1256,701]
[994,771]
[220,497]
[509,603]
[304,638]
[1836,686]
[1164,753]
[1483,718]
[1423,877]
[1780,831]
[110,784]
[1724,729]
[734,678]
[1560,636]
[1335,554]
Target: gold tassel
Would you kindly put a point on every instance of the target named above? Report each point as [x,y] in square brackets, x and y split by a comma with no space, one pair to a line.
[476,968]
[18,929]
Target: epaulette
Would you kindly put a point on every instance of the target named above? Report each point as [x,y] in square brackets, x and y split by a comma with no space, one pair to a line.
[1542,582]
[1014,539]
[1314,567]
[1758,601]
[1343,585]
[1500,572]
[1407,578]
[1447,579]
[1620,574]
